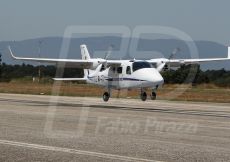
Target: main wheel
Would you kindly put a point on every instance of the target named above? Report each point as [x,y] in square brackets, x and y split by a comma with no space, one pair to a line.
[106,96]
[153,96]
[143,96]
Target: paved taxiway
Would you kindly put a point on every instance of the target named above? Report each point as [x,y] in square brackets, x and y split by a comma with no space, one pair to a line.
[35,128]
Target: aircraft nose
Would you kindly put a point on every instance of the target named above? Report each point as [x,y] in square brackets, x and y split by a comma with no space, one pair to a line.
[159,79]
[150,77]
[155,77]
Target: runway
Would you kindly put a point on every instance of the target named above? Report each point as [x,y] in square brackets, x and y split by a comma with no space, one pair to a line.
[45,128]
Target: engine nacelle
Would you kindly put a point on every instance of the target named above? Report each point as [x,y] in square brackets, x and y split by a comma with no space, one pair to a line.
[159,64]
[96,63]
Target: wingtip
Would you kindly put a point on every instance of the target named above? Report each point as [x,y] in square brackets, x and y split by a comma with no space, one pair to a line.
[9,49]
[11,53]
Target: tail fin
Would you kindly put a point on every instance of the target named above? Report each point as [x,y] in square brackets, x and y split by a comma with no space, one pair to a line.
[85,56]
[229,52]
[84,52]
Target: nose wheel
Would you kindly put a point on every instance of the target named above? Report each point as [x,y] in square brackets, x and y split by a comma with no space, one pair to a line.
[106,96]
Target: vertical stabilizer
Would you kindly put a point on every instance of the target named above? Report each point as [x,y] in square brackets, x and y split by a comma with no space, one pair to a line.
[229,52]
[84,52]
[85,56]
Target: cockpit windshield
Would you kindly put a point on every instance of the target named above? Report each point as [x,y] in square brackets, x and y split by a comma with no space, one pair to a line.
[140,65]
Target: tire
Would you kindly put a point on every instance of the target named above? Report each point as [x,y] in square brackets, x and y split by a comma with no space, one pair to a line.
[153,96]
[143,96]
[106,96]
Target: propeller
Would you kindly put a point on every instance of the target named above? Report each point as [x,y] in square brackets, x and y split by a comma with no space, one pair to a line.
[174,52]
[172,55]
[109,52]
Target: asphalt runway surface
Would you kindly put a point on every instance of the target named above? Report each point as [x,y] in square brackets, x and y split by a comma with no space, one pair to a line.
[45,128]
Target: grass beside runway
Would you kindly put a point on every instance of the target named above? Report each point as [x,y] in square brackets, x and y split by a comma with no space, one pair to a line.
[201,93]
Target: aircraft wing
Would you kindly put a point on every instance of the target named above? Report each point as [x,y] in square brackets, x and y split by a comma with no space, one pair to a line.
[113,62]
[73,63]
[175,62]
[179,62]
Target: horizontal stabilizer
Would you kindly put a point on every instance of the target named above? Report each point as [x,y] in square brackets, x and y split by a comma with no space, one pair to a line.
[69,79]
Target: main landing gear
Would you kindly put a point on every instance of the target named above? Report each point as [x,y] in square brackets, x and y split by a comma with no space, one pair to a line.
[106,96]
[153,95]
[144,96]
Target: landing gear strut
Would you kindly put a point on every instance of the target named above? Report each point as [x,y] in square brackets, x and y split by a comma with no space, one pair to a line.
[106,96]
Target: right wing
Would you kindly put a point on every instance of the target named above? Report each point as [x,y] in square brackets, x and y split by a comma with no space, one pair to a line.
[73,63]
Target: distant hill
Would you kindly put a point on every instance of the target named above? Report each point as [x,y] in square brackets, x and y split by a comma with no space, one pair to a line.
[51,48]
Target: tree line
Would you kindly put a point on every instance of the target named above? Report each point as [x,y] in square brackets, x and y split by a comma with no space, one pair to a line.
[10,72]
[193,74]
[185,74]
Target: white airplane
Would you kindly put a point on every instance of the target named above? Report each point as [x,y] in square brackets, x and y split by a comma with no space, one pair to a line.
[120,74]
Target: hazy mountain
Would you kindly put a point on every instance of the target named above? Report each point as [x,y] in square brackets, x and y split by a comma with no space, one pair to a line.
[51,47]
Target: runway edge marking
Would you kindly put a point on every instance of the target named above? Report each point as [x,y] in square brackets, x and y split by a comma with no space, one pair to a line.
[74,151]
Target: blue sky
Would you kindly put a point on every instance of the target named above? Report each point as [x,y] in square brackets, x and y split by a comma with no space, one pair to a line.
[201,19]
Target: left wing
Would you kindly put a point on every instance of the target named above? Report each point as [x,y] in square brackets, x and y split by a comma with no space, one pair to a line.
[160,63]
[175,62]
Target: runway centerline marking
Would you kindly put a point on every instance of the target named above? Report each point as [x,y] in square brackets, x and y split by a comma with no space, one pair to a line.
[74,151]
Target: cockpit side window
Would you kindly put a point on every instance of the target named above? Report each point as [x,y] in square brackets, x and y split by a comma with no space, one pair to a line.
[140,65]
[128,70]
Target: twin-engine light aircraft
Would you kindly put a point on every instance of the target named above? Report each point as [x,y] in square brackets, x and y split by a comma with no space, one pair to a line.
[120,74]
